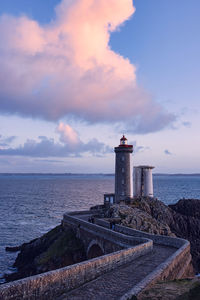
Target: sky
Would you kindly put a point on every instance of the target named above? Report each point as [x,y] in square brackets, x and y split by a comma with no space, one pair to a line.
[77,74]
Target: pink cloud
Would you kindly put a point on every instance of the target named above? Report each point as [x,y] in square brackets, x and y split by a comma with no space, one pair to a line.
[67,68]
[67,134]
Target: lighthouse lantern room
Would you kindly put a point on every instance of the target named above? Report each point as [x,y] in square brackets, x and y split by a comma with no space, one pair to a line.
[123,141]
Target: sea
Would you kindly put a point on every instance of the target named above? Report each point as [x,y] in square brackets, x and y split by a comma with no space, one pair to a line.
[32,204]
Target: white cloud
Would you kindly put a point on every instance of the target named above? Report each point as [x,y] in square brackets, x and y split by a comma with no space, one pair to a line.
[67,68]
[70,145]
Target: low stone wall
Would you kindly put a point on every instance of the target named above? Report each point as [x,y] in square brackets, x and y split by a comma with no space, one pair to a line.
[105,233]
[157,239]
[175,267]
[82,212]
[102,222]
[93,212]
[50,285]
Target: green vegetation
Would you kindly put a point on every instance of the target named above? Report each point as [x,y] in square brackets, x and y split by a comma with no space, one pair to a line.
[65,244]
[52,233]
[193,294]
[133,298]
[178,289]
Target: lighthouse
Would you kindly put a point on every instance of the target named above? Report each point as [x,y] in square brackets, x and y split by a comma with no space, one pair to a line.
[143,181]
[130,183]
[123,171]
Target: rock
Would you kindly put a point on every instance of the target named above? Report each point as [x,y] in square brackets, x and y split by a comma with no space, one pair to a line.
[13,249]
[183,289]
[187,225]
[151,215]
[136,217]
[187,207]
[55,249]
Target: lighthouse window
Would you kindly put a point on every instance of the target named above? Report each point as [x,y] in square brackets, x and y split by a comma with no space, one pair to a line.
[122,170]
[122,158]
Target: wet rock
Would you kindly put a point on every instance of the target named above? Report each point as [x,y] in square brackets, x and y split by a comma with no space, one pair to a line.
[55,249]
[13,249]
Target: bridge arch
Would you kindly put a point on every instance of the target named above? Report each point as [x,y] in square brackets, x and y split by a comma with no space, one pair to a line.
[95,249]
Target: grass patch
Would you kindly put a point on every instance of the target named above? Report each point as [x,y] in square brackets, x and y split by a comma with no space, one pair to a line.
[66,243]
[193,294]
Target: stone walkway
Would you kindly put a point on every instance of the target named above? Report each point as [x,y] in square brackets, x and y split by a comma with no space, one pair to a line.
[116,283]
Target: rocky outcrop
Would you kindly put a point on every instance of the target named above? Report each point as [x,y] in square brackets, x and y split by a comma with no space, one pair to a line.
[187,207]
[55,249]
[184,289]
[153,216]
[138,218]
[187,225]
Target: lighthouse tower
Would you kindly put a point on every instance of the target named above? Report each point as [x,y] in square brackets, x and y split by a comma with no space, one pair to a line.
[123,171]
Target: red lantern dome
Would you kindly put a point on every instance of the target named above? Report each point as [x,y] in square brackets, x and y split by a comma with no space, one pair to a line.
[123,141]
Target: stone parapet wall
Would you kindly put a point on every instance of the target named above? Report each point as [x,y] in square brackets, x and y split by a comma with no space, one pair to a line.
[157,239]
[102,222]
[173,268]
[116,237]
[176,266]
[82,212]
[49,285]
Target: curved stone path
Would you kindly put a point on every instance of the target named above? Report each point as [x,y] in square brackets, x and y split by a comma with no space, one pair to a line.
[116,283]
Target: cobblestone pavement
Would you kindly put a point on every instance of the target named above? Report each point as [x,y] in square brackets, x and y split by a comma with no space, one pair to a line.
[116,283]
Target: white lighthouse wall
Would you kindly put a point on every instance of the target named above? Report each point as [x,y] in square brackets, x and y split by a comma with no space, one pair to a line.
[148,183]
[131,176]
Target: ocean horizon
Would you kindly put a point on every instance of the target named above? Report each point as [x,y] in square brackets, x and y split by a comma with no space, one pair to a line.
[106,174]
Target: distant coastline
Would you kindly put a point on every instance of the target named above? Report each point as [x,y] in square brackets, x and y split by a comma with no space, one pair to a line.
[92,174]
[176,174]
[56,174]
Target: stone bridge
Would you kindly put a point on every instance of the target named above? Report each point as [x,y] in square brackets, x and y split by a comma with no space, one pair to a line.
[100,240]
[130,261]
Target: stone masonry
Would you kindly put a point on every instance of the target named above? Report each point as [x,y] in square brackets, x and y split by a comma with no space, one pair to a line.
[130,270]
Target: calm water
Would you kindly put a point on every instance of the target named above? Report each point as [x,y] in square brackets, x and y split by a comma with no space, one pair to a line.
[32,204]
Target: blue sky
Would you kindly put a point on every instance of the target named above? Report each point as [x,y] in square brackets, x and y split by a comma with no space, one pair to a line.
[161,40]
